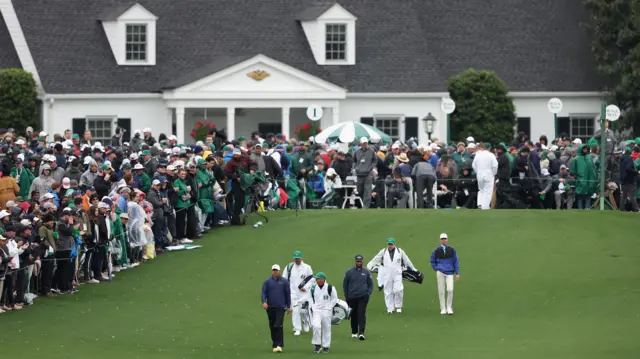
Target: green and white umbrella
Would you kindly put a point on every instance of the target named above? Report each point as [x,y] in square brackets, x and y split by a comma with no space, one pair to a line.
[347,132]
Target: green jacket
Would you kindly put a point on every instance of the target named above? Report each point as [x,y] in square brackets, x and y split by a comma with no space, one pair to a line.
[584,170]
[460,158]
[636,163]
[145,182]
[26,178]
[205,192]
[182,190]
[294,166]
[304,160]
[511,159]
[117,231]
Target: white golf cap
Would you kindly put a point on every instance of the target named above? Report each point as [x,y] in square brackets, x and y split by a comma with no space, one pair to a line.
[443,236]
[25,222]
[43,134]
[147,129]
[395,146]
[47,196]
[156,182]
[171,168]
[4,213]
[577,141]
[138,166]
[176,151]
[545,172]
[20,142]
[173,138]
[87,160]
[364,140]
[470,139]
[273,267]
[29,129]
[471,145]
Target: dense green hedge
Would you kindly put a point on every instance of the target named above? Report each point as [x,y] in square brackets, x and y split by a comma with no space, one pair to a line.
[18,94]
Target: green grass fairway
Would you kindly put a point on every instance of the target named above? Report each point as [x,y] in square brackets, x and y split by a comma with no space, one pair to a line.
[542,284]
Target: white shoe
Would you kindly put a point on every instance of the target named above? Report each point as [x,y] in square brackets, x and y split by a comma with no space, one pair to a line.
[277,350]
[399,310]
[354,335]
[296,333]
[450,311]
[105,278]
[93,281]
[389,311]
[305,328]
[186,241]
[116,269]
[443,311]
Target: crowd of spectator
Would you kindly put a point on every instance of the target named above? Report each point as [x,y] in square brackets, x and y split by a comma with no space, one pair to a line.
[75,211]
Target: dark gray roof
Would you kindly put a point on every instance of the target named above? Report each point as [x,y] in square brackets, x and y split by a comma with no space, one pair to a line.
[402,45]
[114,12]
[8,56]
[314,11]
[219,64]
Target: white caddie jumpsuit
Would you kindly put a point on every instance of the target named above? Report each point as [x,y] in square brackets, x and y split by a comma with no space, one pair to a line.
[298,273]
[390,275]
[322,305]
[485,165]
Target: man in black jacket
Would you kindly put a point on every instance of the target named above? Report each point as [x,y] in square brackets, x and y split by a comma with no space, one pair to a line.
[102,183]
[628,178]
[503,190]
[357,287]
[159,225]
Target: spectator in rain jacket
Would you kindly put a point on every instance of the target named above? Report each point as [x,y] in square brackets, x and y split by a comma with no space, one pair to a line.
[89,176]
[584,170]
[43,183]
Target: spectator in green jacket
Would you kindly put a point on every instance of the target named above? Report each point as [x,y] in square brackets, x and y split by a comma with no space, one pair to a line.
[143,178]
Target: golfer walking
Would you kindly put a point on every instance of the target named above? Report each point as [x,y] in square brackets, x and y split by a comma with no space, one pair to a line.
[297,273]
[276,298]
[357,287]
[391,261]
[444,261]
[323,299]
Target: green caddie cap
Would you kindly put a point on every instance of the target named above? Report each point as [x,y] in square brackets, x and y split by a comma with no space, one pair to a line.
[297,255]
[391,241]
[321,275]
[146,152]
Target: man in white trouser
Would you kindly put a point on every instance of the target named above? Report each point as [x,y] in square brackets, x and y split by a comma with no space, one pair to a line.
[297,273]
[444,261]
[485,165]
[390,262]
[323,298]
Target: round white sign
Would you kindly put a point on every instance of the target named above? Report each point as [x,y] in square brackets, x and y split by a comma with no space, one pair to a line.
[448,106]
[612,113]
[314,112]
[554,105]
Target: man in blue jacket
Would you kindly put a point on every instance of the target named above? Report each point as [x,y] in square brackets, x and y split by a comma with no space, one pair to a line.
[444,261]
[276,298]
[357,287]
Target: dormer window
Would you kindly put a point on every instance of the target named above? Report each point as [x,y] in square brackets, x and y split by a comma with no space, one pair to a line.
[336,42]
[136,45]
[131,31]
[331,32]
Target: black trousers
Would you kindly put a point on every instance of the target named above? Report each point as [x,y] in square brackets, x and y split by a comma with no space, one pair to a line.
[48,265]
[358,314]
[235,204]
[62,278]
[181,224]
[276,319]
[424,182]
[171,224]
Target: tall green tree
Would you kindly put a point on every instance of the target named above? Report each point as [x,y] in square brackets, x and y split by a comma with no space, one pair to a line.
[615,30]
[18,94]
[484,109]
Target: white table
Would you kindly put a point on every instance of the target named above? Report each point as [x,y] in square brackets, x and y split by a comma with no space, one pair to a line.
[353,196]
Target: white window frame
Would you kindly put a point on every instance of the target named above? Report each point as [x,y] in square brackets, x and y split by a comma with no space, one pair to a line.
[386,117]
[112,124]
[346,42]
[583,116]
[146,42]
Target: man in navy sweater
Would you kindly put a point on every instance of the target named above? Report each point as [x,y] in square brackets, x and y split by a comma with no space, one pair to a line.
[444,261]
[276,298]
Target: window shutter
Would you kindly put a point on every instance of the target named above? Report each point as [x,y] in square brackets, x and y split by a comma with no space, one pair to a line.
[410,127]
[126,124]
[367,121]
[524,125]
[564,125]
[78,125]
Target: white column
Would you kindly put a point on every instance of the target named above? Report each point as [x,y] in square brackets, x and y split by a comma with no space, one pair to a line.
[180,124]
[285,121]
[231,123]
[335,111]
[170,121]
[422,138]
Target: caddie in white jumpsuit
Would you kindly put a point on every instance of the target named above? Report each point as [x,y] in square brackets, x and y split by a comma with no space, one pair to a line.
[297,273]
[323,298]
[485,165]
[390,262]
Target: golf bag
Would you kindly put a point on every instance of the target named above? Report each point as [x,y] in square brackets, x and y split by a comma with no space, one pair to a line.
[340,312]
[413,276]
